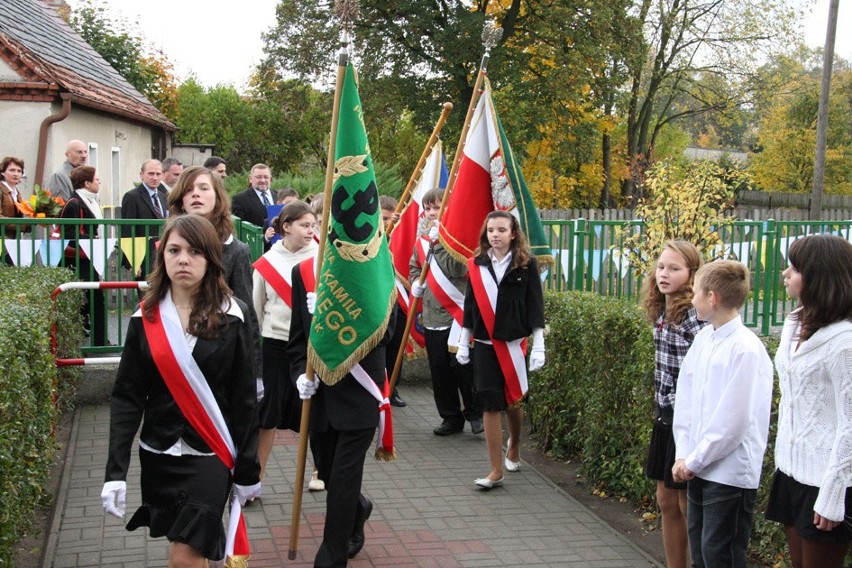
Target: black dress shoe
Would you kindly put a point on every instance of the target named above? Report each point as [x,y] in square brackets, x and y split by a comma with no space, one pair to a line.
[476,426]
[447,428]
[356,541]
[396,400]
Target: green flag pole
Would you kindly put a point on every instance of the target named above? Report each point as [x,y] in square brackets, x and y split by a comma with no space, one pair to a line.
[348,15]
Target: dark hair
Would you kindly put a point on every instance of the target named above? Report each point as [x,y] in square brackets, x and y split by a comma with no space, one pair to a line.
[679,302]
[521,253]
[10,160]
[825,263]
[169,162]
[433,196]
[207,317]
[291,213]
[221,214]
[80,175]
[287,192]
[213,161]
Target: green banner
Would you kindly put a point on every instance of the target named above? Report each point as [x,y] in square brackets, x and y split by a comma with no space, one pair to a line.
[355,289]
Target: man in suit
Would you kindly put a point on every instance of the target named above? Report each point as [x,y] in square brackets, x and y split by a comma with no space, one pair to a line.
[147,201]
[250,205]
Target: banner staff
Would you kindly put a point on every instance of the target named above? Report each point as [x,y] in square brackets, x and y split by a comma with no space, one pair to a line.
[418,169]
[347,11]
[491,35]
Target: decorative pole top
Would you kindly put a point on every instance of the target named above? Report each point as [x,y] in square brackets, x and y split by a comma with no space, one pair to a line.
[491,34]
[347,11]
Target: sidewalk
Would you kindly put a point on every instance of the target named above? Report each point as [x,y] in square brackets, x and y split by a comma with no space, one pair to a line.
[427,512]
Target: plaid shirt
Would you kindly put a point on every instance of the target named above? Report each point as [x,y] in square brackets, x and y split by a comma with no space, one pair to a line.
[671,343]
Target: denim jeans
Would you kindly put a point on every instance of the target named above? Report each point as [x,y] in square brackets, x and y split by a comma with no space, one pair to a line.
[719,519]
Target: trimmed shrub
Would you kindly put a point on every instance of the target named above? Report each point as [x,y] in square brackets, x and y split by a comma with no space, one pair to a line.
[594,398]
[29,384]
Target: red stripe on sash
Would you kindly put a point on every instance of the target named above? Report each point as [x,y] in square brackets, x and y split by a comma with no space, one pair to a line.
[437,290]
[514,391]
[187,400]
[275,279]
[309,275]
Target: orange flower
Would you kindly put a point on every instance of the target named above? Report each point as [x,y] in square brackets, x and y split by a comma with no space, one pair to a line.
[25,208]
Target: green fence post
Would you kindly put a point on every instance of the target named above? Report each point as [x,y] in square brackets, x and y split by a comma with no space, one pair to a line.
[578,245]
[770,280]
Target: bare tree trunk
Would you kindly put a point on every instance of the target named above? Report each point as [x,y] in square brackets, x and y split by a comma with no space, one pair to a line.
[822,116]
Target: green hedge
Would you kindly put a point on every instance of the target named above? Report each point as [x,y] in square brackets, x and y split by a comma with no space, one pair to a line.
[594,401]
[28,381]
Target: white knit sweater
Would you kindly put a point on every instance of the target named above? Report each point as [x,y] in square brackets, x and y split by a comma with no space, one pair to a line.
[814,443]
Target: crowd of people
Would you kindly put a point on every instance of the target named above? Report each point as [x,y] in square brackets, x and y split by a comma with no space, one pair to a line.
[215,360]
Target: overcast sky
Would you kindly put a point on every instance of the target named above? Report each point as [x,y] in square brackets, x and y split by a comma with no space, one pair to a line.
[221,43]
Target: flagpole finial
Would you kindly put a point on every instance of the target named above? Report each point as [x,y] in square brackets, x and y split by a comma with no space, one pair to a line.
[347,11]
[491,34]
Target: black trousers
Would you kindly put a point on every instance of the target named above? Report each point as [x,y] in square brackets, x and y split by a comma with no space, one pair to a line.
[449,379]
[392,348]
[95,300]
[339,457]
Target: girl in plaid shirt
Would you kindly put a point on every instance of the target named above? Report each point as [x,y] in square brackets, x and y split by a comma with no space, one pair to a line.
[667,299]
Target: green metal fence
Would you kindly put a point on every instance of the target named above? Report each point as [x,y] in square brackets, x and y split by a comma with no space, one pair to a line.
[590,256]
[36,242]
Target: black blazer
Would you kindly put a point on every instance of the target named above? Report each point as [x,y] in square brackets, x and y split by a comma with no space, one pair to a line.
[520,304]
[140,391]
[346,405]
[76,208]
[136,204]
[248,207]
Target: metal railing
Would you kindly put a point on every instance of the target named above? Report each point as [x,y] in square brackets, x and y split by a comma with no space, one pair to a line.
[111,257]
[590,256]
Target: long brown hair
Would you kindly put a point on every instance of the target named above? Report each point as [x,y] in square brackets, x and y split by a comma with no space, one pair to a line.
[825,263]
[519,248]
[679,302]
[221,214]
[207,317]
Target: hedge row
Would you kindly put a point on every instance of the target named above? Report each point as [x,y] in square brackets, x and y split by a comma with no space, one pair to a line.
[594,401]
[29,382]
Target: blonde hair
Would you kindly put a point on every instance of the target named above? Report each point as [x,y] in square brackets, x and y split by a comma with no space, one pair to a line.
[728,279]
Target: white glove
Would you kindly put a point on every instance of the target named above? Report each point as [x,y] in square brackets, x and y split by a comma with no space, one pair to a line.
[433,234]
[306,388]
[114,498]
[311,301]
[417,289]
[246,492]
[463,353]
[537,351]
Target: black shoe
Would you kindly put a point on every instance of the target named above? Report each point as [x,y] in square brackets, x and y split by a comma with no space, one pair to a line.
[396,400]
[447,428]
[356,541]
[476,426]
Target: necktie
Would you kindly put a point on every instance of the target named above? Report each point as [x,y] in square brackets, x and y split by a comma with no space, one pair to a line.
[156,199]
[265,198]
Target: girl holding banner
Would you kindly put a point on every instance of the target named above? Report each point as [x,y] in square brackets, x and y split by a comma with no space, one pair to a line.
[187,369]
[503,305]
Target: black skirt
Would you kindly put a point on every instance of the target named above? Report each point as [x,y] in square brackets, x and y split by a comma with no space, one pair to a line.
[183,499]
[281,406]
[792,504]
[489,385]
[661,456]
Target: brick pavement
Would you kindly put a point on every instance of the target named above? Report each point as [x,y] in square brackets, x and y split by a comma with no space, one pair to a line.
[427,512]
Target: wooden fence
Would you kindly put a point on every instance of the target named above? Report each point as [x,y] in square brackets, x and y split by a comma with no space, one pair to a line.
[743,213]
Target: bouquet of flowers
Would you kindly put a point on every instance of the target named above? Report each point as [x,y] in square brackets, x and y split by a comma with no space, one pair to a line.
[41,204]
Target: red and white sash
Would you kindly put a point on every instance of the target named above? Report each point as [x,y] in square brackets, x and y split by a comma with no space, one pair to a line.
[279,276]
[189,388]
[416,341]
[450,297]
[510,354]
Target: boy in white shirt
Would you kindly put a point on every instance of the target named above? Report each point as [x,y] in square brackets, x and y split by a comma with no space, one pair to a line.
[721,419]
